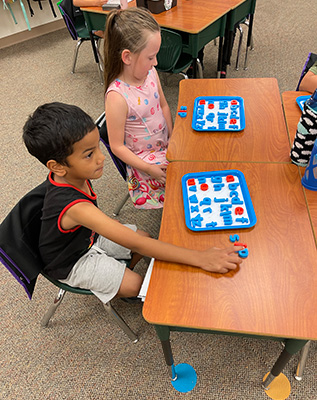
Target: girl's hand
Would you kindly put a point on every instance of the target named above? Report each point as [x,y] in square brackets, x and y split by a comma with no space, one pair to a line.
[158,172]
[220,260]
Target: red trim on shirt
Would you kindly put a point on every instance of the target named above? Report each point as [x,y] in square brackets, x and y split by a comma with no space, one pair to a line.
[93,195]
[63,212]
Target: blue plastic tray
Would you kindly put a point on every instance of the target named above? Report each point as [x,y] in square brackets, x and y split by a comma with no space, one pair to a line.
[217,200]
[218,113]
[301,100]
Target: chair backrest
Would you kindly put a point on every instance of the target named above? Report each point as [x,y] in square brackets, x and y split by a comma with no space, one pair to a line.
[73,18]
[102,126]
[311,59]
[19,237]
[170,50]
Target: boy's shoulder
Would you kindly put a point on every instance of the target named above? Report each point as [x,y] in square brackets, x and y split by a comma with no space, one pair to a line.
[61,192]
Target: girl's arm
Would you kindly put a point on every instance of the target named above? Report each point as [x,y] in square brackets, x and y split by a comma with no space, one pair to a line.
[88,215]
[116,115]
[309,82]
[165,107]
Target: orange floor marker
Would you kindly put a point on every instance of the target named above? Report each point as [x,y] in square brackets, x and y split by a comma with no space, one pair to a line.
[280,388]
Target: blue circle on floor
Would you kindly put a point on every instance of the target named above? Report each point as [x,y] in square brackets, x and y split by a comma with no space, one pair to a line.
[186,378]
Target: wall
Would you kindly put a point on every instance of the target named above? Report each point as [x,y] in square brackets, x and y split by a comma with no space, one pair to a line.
[42,22]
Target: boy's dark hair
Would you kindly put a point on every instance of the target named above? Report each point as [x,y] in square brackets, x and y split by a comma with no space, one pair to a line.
[51,131]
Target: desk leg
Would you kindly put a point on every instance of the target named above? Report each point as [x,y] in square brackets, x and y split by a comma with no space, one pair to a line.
[291,347]
[163,333]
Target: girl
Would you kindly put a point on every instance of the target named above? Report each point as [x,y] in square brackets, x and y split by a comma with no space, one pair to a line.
[139,120]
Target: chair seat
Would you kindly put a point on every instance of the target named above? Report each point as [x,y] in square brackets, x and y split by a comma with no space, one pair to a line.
[66,287]
[183,62]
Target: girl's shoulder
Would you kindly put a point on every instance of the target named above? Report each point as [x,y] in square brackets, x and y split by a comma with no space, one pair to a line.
[117,85]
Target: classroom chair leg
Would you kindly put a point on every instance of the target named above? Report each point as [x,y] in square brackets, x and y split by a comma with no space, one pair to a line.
[116,317]
[239,47]
[79,43]
[51,311]
[302,362]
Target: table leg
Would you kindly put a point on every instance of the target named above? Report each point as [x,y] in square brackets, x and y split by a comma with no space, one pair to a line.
[163,333]
[291,347]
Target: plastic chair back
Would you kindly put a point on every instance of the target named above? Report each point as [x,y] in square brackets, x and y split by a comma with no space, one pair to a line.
[19,237]
[120,165]
[74,19]
[311,59]
[170,50]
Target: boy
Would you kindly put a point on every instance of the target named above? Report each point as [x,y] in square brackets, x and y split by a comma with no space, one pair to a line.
[79,244]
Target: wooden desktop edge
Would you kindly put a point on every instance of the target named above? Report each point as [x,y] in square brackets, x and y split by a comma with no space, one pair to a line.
[99,10]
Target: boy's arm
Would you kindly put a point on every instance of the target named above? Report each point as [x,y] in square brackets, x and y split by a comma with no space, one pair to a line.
[165,107]
[116,114]
[88,215]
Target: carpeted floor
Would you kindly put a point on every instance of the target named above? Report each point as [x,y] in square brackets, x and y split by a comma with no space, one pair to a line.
[81,355]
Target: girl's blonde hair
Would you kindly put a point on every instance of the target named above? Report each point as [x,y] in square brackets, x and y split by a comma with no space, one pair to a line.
[125,29]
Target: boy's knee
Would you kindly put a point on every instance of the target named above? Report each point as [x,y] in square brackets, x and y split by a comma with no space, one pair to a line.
[130,285]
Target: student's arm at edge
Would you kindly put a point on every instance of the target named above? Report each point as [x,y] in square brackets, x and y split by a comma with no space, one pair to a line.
[309,82]
[213,260]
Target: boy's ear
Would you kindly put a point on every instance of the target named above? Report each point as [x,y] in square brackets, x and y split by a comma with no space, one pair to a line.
[126,56]
[56,168]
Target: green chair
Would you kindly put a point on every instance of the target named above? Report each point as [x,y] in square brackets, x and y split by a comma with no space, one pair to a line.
[246,23]
[76,25]
[63,288]
[19,253]
[171,58]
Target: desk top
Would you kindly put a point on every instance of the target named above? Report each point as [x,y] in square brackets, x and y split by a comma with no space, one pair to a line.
[273,292]
[190,16]
[292,116]
[263,139]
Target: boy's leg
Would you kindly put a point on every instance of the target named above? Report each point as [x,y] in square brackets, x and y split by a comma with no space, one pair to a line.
[130,285]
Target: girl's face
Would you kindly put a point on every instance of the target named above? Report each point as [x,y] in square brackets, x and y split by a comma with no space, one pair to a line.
[142,62]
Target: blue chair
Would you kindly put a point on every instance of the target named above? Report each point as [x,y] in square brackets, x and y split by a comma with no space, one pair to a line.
[310,61]
[76,25]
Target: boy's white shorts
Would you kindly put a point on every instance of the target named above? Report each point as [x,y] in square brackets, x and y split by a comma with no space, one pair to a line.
[99,269]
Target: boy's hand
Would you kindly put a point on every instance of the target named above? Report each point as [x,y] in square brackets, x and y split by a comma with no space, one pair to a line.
[220,260]
[157,172]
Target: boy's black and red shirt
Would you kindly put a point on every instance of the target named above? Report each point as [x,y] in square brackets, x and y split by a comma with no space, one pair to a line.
[61,249]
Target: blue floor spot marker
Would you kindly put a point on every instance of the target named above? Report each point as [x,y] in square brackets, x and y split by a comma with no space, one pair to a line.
[186,378]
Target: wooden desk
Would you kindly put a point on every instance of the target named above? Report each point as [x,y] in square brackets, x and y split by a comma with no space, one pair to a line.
[272,294]
[263,139]
[200,21]
[292,115]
